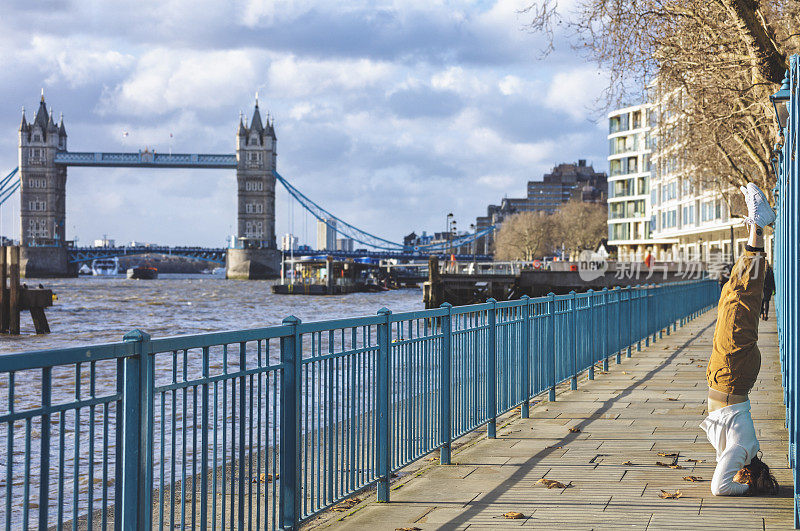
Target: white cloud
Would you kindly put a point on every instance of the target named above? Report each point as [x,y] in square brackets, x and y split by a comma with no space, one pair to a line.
[165,80]
[459,80]
[575,92]
[290,75]
[77,61]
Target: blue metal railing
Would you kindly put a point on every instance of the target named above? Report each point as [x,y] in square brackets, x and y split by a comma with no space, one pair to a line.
[271,426]
[787,287]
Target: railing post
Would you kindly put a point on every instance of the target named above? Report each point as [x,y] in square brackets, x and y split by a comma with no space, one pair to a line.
[291,358]
[573,384]
[491,372]
[639,316]
[445,427]
[384,452]
[629,319]
[551,325]
[606,330]
[137,435]
[44,482]
[526,352]
[647,316]
[591,331]
[618,328]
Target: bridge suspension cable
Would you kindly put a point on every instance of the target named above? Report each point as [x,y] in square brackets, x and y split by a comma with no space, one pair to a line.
[9,186]
[365,237]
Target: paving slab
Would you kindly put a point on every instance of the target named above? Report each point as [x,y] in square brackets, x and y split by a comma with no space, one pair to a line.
[652,402]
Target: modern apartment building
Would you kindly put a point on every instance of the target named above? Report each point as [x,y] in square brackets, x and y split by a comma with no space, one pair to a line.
[690,210]
[629,210]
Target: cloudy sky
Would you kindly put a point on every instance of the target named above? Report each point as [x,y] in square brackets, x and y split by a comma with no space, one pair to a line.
[389,113]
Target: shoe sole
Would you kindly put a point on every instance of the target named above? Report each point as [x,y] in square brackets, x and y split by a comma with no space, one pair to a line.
[753,188]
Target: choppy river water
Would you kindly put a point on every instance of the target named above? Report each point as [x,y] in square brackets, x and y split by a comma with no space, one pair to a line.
[95,310]
[102,309]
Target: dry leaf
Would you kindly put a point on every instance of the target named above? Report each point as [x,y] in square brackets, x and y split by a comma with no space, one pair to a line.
[670,495]
[407,529]
[659,463]
[672,399]
[696,460]
[676,467]
[345,505]
[692,478]
[434,458]
[514,516]
[575,430]
[667,454]
[624,372]
[265,478]
[627,463]
[700,365]
[552,484]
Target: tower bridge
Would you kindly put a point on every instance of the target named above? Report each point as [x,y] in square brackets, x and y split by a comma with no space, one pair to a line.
[41,178]
[44,159]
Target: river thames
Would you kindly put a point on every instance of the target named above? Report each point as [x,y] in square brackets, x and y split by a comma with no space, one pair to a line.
[102,309]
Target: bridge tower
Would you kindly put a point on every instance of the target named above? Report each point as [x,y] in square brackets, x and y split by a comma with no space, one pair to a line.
[255,253]
[42,195]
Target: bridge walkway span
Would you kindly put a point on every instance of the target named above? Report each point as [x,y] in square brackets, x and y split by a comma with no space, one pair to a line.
[650,403]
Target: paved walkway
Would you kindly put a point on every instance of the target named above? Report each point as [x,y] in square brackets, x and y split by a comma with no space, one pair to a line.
[651,403]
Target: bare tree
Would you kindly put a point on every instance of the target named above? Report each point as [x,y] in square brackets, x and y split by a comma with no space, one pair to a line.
[579,226]
[523,236]
[714,63]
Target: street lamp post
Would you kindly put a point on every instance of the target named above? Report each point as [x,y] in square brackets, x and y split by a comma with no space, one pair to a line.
[447,226]
[779,102]
[473,246]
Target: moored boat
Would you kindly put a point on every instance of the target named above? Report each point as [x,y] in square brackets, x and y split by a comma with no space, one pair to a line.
[143,273]
[105,266]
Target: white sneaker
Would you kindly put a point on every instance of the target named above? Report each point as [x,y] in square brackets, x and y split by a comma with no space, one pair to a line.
[758,209]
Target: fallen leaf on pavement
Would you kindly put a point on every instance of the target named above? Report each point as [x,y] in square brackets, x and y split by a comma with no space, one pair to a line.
[575,430]
[692,478]
[514,516]
[624,372]
[407,529]
[676,467]
[344,505]
[667,454]
[659,463]
[627,463]
[670,495]
[552,484]
[696,460]
[672,399]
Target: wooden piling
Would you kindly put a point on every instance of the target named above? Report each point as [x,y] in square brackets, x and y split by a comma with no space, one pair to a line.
[13,277]
[4,302]
[433,290]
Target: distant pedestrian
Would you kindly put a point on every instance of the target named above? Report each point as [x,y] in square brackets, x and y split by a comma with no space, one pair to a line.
[724,275]
[769,287]
[648,260]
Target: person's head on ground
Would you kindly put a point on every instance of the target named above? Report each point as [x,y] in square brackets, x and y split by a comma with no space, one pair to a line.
[758,477]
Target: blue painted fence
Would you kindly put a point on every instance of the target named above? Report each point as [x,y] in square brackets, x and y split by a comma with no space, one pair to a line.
[786,260]
[270,426]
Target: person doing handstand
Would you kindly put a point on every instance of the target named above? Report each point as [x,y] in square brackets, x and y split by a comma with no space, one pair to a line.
[735,362]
